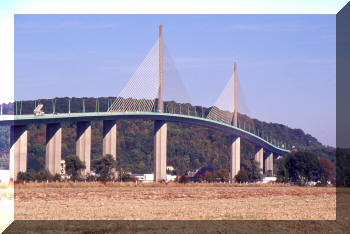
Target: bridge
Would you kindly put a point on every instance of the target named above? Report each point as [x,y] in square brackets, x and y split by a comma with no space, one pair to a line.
[145,105]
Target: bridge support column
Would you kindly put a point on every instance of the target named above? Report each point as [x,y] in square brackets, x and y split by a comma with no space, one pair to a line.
[18,151]
[159,150]
[53,148]
[83,144]
[110,138]
[235,157]
[269,163]
[259,157]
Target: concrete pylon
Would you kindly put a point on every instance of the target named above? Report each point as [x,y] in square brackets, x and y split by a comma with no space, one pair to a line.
[259,157]
[110,138]
[160,74]
[83,144]
[53,148]
[18,151]
[269,163]
[236,141]
[160,150]
[235,110]
[160,127]
[235,157]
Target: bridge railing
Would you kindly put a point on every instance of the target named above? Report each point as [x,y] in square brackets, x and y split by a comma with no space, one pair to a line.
[82,105]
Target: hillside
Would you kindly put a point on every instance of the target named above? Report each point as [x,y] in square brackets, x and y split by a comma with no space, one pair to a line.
[189,147]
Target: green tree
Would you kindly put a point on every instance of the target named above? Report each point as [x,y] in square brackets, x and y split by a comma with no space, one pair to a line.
[223,175]
[241,177]
[282,172]
[57,177]
[252,169]
[302,167]
[43,175]
[74,167]
[104,167]
[25,176]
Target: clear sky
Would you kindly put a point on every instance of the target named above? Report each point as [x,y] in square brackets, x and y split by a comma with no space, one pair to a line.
[286,62]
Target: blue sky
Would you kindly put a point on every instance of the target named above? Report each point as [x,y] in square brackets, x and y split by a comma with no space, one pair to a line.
[286,62]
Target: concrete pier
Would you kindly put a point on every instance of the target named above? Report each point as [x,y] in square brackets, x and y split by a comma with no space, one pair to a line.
[18,151]
[235,157]
[53,148]
[160,150]
[259,157]
[110,138]
[160,127]
[83,144]
[269,163]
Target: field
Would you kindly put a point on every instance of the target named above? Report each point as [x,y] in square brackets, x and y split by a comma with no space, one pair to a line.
[128,201]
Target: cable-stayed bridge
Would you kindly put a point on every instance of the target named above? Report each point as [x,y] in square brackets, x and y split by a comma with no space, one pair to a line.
[154,92]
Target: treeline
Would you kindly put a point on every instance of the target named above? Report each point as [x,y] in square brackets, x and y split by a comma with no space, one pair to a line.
[189,147]
[103,170]
[304,167]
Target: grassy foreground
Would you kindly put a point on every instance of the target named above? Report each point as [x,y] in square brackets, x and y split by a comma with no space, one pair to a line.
[128,201]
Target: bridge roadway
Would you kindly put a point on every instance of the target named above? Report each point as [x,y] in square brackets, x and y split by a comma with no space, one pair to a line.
[167,117]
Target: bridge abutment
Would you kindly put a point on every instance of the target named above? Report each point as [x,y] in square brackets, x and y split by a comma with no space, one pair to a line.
[53,148]
[235,157]
[160,150]
[259,157]
[18,151]
[110,138]
[83,144]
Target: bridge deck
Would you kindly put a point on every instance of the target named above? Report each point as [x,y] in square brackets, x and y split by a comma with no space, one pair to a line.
[91,116]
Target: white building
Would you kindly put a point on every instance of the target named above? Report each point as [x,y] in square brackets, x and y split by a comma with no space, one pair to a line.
[269,180]
[146,178]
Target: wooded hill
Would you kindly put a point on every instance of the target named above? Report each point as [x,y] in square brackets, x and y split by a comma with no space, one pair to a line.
[189,147]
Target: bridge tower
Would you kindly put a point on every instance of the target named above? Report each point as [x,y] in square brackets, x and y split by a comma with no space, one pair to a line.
[235,141]
[160,127]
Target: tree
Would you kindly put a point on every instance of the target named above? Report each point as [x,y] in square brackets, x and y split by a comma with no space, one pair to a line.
[241,177]
[104,167]
[252,169]
[57,177]
[43,175]
[124,176]
[326,170]
[223,175]
[74,167]
[282,172]
[200,178]
[208,176]
[302,166]
[25,176]
[183,179]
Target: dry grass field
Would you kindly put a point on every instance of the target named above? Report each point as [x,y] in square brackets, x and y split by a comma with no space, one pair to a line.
[128,201]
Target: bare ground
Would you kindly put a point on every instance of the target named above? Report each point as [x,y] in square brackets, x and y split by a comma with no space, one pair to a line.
[173,202]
